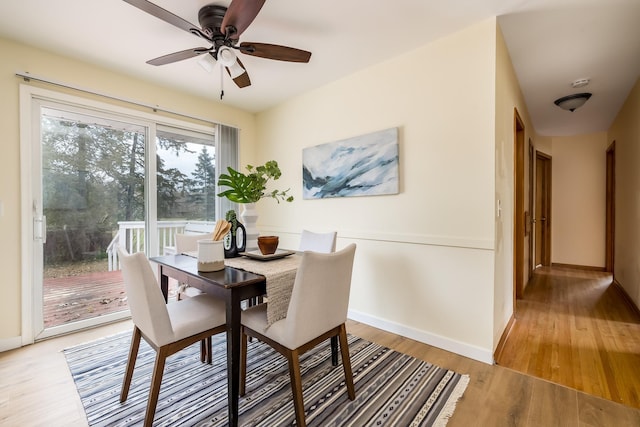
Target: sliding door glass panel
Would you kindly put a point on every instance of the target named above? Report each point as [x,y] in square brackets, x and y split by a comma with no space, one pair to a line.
[93,184]
[186,183]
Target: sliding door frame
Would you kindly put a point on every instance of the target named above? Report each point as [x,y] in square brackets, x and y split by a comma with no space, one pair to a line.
[30,99]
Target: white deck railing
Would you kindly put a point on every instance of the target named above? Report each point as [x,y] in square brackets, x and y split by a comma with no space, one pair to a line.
[131,236]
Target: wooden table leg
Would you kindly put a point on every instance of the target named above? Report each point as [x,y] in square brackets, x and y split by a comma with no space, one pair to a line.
[164,283]
[233,355]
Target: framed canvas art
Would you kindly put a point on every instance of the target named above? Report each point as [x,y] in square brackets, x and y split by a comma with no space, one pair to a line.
[365,165]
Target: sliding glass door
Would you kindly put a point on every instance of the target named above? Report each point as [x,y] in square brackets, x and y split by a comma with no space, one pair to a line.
[102,179]
[92,178]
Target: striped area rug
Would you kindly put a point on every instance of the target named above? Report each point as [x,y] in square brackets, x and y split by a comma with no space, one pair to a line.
[392,389]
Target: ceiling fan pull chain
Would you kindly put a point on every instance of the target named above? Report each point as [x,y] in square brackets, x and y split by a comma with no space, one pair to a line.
[221,82]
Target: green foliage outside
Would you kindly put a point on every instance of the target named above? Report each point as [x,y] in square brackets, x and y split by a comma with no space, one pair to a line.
[94,176]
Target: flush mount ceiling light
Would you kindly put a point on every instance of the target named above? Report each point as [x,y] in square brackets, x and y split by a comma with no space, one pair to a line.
[572,102]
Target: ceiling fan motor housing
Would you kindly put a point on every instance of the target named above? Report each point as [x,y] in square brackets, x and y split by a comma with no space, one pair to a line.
[210,18]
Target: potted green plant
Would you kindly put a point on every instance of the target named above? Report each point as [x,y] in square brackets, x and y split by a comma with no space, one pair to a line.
[251,187]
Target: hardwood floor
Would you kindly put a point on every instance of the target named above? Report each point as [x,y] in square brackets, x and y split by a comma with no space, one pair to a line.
[573,327]
[36,388]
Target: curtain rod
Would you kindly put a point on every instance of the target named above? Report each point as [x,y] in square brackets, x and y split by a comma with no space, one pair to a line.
[28,76]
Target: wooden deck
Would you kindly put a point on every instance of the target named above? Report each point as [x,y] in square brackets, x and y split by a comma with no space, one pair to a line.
[80,297]
[69,299]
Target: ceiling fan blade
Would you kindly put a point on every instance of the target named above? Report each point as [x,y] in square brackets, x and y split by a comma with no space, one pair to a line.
[274,51]
[165,15]
[243,79]
[178,56]
[240,14]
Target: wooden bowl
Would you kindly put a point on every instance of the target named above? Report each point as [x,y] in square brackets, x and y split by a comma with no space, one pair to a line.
[268,244]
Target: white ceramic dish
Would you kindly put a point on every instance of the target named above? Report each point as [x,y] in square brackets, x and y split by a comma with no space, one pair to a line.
[279,253]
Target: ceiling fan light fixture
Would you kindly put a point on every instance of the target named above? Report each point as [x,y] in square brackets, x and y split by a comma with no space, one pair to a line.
[227,57]
[572,102]
[207,62]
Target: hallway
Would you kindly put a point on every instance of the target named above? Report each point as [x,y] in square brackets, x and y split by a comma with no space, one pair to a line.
[573,327]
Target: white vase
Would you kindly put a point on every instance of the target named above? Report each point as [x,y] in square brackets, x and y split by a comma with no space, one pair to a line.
[249,218]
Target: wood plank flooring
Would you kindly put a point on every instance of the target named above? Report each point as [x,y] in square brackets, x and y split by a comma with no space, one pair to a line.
[574,327]
[36,388]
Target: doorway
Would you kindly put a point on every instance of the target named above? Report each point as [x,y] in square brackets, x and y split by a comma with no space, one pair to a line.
[542,216]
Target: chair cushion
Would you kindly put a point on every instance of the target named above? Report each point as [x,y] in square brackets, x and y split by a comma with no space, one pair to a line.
[194,315]
[255,318]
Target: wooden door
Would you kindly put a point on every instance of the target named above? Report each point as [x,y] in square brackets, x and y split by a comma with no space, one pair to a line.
[542,217]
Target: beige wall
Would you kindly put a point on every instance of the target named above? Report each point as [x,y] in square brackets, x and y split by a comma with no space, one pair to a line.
[625,131]
[508,98]
[578,169]
[424,264]
[17,57]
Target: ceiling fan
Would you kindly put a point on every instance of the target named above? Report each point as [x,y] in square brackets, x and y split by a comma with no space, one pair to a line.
[222,27]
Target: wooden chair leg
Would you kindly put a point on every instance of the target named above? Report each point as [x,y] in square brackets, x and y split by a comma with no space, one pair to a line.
[131,363]
[296,387]
[156,381]
[243,362]
[209,351]
[346,362]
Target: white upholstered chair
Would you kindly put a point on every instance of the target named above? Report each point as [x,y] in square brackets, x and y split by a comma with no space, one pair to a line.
[317,311]
[168,328]
[188,243]
[317,242]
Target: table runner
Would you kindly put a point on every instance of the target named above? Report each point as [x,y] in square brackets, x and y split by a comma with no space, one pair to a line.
[280,274]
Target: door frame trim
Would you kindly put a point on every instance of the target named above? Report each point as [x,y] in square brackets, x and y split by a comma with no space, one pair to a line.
[518,203]
[610,216]
[26,225]
[529,217]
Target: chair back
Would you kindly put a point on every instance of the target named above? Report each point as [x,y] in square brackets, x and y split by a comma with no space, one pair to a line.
[148,308]
[320,296]
[317,242]
[189,242]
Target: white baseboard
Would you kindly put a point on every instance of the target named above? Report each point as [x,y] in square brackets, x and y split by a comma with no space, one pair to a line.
[463,349]
[7,344]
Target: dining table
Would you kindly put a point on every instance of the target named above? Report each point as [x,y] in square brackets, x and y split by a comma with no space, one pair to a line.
[230,284]
[242,279]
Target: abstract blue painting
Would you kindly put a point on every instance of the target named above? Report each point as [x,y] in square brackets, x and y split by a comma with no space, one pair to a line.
[365,165]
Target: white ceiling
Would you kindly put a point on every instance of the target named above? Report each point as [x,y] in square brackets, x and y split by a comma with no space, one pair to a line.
[551,43]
